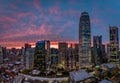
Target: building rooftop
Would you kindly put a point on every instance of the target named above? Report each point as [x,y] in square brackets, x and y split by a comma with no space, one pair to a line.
[84,13]
[109,65]
[105,81]
[80,75]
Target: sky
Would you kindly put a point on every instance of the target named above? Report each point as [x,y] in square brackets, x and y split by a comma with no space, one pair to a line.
[28,21]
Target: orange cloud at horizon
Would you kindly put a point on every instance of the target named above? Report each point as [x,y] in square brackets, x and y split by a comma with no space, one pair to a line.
[53,44]
[19,45]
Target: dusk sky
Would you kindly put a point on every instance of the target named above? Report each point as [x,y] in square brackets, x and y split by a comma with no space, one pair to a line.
[28,21]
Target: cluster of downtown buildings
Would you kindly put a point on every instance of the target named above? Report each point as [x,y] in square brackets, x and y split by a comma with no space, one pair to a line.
[76,56]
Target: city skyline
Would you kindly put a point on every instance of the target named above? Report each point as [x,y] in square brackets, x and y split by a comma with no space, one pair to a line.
[28,22]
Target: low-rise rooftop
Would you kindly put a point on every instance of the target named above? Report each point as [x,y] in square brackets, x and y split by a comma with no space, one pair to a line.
[80,75]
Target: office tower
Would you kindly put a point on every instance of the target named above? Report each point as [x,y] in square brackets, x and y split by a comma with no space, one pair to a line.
[42,55]
[97,50]
[119,58]
[114,44]
[105,60]
[103,49]
[76,50]
[13,50]
[4,53]
[70,58]
[1,55]
[22,54]
[59,58]
[84,40]
[92,56]
[12,55]
[54,58]
[26,46]
[29,58]
[62,46]
[108,52]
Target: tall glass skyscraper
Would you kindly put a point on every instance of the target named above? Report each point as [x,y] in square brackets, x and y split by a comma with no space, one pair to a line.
[84,40]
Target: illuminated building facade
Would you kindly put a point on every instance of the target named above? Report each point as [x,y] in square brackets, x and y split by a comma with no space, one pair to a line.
[97,50]
[119,57]
[114,45]
[54,58]
[29,58]
[108,52]
[26,46]
[42,55]
[70,65]
[84,40]
[62,46]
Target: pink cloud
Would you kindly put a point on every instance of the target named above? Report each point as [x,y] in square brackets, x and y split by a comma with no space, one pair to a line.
[21,15]
[44,30]
[95,20]
[36,4]
[5,25]
[7,19]
[54,10]
[26,31]
[64,26]
[41,30]
[13,6]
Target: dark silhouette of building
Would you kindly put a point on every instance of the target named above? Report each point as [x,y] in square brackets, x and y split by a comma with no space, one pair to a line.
[76,50]
[1,55]
[105,59]
[97,50]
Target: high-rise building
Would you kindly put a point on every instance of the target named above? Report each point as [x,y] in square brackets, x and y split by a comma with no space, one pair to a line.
[97,50]
[4,52]
[105,59]
[119,58]
[26,46]
[108,52]
[70,58]
[62,46]
[42,55]
[76,50]
[114,45]
[1,55]
[29,58]
[92,56]
[54,58]
[103,50]
[84,40]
